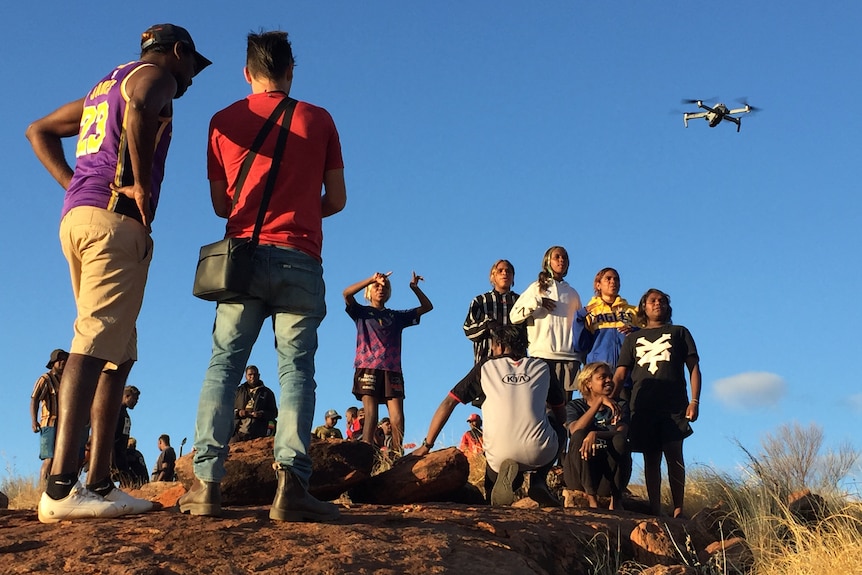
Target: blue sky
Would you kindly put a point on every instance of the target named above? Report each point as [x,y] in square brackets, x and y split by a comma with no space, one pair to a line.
[477,131]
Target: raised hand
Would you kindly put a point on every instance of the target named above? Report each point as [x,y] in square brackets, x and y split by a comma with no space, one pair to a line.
[416,279]
[380,278]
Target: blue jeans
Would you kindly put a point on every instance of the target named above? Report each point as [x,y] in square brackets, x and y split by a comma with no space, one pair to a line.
[286,285]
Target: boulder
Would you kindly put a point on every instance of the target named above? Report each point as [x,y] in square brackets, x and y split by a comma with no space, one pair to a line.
[731,556]
[652,545]
[164,493]
[575,498]
[337,465]
[714,524]
[807,507]
[469,494]
[636,505]
[411,479]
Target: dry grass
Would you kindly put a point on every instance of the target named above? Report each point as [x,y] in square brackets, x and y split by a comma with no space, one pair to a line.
[382,462]
[23,492]
[477,470]
[828,540]
[782,544]
[833,545]
[787,545]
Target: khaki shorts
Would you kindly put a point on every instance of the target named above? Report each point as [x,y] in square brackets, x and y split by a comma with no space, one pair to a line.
[109,256]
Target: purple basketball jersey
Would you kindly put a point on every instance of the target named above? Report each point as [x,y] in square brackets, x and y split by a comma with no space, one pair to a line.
[102,151]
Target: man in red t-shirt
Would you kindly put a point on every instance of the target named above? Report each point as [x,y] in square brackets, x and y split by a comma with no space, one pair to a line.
[354,423]
[471,441]
[287,280]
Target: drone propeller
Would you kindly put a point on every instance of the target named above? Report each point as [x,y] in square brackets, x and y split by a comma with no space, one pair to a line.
[687,101]
[744,102]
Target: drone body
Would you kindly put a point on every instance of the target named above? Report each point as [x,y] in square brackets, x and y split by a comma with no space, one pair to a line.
[715,114]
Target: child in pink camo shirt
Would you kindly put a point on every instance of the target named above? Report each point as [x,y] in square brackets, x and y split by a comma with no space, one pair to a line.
[378,376]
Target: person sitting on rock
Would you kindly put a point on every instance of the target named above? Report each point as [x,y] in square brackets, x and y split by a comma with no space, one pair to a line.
[328,430]
[383,435]
[255,408]
[518,435]
[599,460]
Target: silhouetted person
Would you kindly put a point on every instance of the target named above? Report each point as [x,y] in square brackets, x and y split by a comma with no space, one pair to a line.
[45,392]
[167,461]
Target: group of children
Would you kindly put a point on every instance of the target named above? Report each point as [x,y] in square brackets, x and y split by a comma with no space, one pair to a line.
[633,387]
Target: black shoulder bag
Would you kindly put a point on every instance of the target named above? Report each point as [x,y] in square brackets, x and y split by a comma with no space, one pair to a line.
[225,268]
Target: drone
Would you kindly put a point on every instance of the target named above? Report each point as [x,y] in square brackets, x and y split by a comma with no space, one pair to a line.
[715,114]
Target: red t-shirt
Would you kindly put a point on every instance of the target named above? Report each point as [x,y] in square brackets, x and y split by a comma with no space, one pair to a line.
[293,217]
[354,429]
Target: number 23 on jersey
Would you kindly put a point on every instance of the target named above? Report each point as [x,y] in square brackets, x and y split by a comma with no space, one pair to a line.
[92,132]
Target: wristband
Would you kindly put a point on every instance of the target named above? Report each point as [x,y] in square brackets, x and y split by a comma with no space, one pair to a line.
[695,401]
[426,444]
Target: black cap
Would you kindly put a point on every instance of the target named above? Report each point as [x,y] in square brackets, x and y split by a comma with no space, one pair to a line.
[56,356]
[168,35]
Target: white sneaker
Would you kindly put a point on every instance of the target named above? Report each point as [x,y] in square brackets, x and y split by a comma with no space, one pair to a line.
[128,505]
[81,503]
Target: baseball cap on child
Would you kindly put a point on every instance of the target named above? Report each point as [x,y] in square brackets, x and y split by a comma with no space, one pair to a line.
[56,356]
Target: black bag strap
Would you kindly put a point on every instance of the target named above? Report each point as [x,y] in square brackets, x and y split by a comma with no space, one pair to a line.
[284,108]
[277,158]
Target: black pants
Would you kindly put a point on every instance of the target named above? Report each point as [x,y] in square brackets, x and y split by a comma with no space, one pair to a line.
[540,474]
[605,473]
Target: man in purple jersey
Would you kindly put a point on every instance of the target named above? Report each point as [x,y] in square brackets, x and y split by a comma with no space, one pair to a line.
[123,126]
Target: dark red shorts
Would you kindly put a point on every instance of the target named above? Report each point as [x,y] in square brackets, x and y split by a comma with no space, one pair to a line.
[379,383]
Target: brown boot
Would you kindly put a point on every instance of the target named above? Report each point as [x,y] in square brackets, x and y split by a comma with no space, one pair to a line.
[293,502]
[204,498]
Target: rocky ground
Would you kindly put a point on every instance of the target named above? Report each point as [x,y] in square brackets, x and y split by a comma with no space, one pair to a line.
[394,530]
[414,538]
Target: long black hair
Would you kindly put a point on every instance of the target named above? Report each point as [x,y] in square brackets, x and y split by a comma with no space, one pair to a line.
[545,276]
[641,313]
